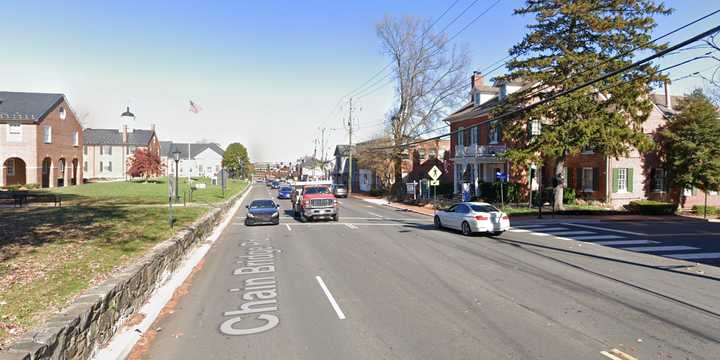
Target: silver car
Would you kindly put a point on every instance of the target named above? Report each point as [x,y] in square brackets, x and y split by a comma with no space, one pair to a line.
[473,217]
[339,191]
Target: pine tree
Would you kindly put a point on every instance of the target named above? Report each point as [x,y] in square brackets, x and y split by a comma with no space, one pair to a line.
[569,43]
[691,143]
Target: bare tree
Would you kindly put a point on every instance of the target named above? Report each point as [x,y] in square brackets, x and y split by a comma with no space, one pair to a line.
[430,79]
[374,155]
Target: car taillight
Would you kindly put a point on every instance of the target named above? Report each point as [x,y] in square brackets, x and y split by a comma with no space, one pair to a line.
[481,217]
[505,217]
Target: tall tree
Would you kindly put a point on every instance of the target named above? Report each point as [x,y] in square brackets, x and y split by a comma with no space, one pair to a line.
[236,160]
[144,163]
[374,155]
[691,142]
[569,43]
[429,75]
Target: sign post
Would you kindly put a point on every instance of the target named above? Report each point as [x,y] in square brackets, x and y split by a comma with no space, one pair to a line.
[171,194]
[435,174]
[502,177]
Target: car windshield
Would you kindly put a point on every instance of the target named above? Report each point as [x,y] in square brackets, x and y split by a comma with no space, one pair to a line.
[262,204]
[483,208]
[340,187]
[317,190]
[285,189]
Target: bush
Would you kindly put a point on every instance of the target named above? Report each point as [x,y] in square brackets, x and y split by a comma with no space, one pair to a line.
[376,192]
[650,207]
[700,210]
[490,192]
[568,196]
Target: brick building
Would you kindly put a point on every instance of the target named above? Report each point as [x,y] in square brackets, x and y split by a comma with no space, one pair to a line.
[40,140]
[477,154]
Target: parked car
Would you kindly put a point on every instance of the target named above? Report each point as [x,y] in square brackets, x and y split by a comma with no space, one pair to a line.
[473,217]
[275,184]
[285,192]
[262,212]
[340,191]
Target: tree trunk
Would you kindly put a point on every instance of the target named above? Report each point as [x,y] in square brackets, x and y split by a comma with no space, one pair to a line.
[398,188]
[559,184]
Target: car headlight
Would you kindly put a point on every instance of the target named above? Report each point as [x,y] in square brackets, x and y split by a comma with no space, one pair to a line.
[250,215]
[275,214]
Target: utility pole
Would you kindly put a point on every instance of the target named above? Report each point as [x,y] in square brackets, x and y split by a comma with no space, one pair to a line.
[350,167]
[322,152]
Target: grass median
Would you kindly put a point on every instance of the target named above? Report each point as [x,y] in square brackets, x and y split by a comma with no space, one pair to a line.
[48,255]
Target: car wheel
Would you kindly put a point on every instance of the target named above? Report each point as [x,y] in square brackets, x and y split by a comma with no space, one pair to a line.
[276,222]
[496,233]
[335,217]
[247,223]
[466,229]
[437,222]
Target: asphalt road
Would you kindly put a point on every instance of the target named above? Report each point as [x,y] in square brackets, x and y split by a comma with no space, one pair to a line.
[382,284]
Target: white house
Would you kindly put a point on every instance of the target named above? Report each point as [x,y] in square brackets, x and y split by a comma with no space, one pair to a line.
[196,160]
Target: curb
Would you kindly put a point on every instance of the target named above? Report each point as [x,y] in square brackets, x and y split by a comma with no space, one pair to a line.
[96,314]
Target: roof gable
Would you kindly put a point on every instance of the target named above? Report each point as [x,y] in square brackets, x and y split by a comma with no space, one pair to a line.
[26,107]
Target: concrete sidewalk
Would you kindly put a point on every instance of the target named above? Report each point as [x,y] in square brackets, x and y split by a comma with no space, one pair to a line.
[547,217]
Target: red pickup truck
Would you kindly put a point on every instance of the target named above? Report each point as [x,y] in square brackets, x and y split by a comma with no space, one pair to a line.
[315,202]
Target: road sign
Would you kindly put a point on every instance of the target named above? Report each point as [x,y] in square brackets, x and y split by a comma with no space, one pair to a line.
[434,182]
[501,176]
[434,173]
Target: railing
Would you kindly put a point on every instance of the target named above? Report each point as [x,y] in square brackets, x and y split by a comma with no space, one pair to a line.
[480,150]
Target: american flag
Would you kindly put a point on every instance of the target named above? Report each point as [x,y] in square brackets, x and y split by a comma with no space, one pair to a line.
[195,107]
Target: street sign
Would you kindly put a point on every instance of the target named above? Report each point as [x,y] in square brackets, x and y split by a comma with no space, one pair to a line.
[434,173]
[434,182]
[501,176]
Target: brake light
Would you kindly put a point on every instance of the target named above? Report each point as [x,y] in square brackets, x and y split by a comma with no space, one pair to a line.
[505,217]
[481,217]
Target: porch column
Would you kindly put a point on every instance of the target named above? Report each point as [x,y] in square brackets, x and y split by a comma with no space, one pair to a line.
[3,172]
[52,177]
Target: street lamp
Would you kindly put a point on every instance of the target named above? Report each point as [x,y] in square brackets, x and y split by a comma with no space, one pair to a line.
[176,157]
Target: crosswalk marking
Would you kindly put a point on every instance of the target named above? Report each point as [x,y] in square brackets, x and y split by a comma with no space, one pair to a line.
[695,256]
[568,233]
[552,229]
[605,229]
[518,230]
[660,248]
[597,237]
[625,242]
[528,226]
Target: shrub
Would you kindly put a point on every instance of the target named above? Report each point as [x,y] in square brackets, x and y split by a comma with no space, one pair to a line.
[568,195]
[700,210]
[650,207]
[376,192]
[490,192]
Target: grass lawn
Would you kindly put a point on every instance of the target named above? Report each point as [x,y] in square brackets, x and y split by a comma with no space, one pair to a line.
[140,192]
[48,255]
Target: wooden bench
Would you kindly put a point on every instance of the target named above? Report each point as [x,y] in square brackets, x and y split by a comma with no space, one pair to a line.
[25,197]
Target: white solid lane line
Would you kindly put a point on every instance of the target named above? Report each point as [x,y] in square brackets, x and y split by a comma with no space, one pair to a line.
[598,237]
[568,233]
[625,242]
[336,307]
[695,256]
[374,214]
[551,229]
[528,226]
[605,229]
[659,248]
[351,226]
[519,230]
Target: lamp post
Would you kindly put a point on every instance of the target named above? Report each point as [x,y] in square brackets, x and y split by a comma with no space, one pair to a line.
[176,157]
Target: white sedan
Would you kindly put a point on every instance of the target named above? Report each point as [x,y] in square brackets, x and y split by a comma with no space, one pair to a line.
[473,217]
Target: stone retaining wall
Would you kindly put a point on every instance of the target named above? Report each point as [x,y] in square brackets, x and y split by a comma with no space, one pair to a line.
[93,318]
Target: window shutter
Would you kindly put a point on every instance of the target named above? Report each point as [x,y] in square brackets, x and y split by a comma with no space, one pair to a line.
[596,179]
[499,132]
[109,165]
[578,179]
[652,180]
[630,180]
[101,150]
[615,176]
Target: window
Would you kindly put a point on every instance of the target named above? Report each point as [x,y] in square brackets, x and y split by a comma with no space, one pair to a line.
[432,153]
[11,168]
[62,113]
[101,150]
[587,179]
[421,154]
[85,166]
[85,150]
[76,138]
[659,180]
[109,166]
[494,133]
[14,132]
[460,137]
[405,155]
[588,150]
[108,150]
[474,135]
[101,166]
[621,180]
[47,134]
[462,209]
[130,150]
[535,127]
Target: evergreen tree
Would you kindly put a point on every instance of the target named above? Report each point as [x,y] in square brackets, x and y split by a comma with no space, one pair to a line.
[569,43]
[692,144]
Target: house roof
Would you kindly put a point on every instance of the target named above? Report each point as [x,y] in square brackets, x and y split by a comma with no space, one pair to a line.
[659,101]
[195,149]
[165,147]
[342,150]
[137,137]
[25,107]
[470,111]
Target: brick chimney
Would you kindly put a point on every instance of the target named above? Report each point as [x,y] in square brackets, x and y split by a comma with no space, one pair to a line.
[476,80]
[668,98]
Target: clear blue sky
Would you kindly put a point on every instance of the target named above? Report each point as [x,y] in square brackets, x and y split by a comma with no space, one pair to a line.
[267,73]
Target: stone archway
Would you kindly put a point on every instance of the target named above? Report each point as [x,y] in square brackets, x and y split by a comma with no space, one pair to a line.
[14,172]
[46,172]
[62,169]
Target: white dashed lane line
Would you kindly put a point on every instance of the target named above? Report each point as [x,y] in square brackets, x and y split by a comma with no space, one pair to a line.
[625,242]
[597,237]
[660,248]
[333,303]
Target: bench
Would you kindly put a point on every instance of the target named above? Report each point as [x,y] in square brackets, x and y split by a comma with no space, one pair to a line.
[25,197]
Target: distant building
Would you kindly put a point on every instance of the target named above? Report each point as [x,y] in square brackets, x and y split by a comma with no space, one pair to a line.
[196,160]
[40,140]
[107,151]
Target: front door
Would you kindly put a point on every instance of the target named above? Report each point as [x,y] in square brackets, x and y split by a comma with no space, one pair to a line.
[46,173]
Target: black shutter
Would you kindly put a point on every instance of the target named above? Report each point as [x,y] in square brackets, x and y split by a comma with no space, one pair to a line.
[596,179]
[652,179]
[578,180]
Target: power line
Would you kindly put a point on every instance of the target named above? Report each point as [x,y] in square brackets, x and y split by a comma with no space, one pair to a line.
[585,84]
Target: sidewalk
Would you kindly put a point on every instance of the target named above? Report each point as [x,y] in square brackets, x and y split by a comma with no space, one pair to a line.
[547,217]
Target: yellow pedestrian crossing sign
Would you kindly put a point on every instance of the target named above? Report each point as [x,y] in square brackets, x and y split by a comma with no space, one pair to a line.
[434,173]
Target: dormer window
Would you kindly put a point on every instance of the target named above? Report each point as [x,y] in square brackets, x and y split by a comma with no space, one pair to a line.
[476,98]
[503,92]
[62,113]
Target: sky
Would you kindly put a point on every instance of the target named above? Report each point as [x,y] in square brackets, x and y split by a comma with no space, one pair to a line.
[267,74]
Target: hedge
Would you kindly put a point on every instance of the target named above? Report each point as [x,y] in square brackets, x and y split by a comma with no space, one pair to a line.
[700,209]
[650,207]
